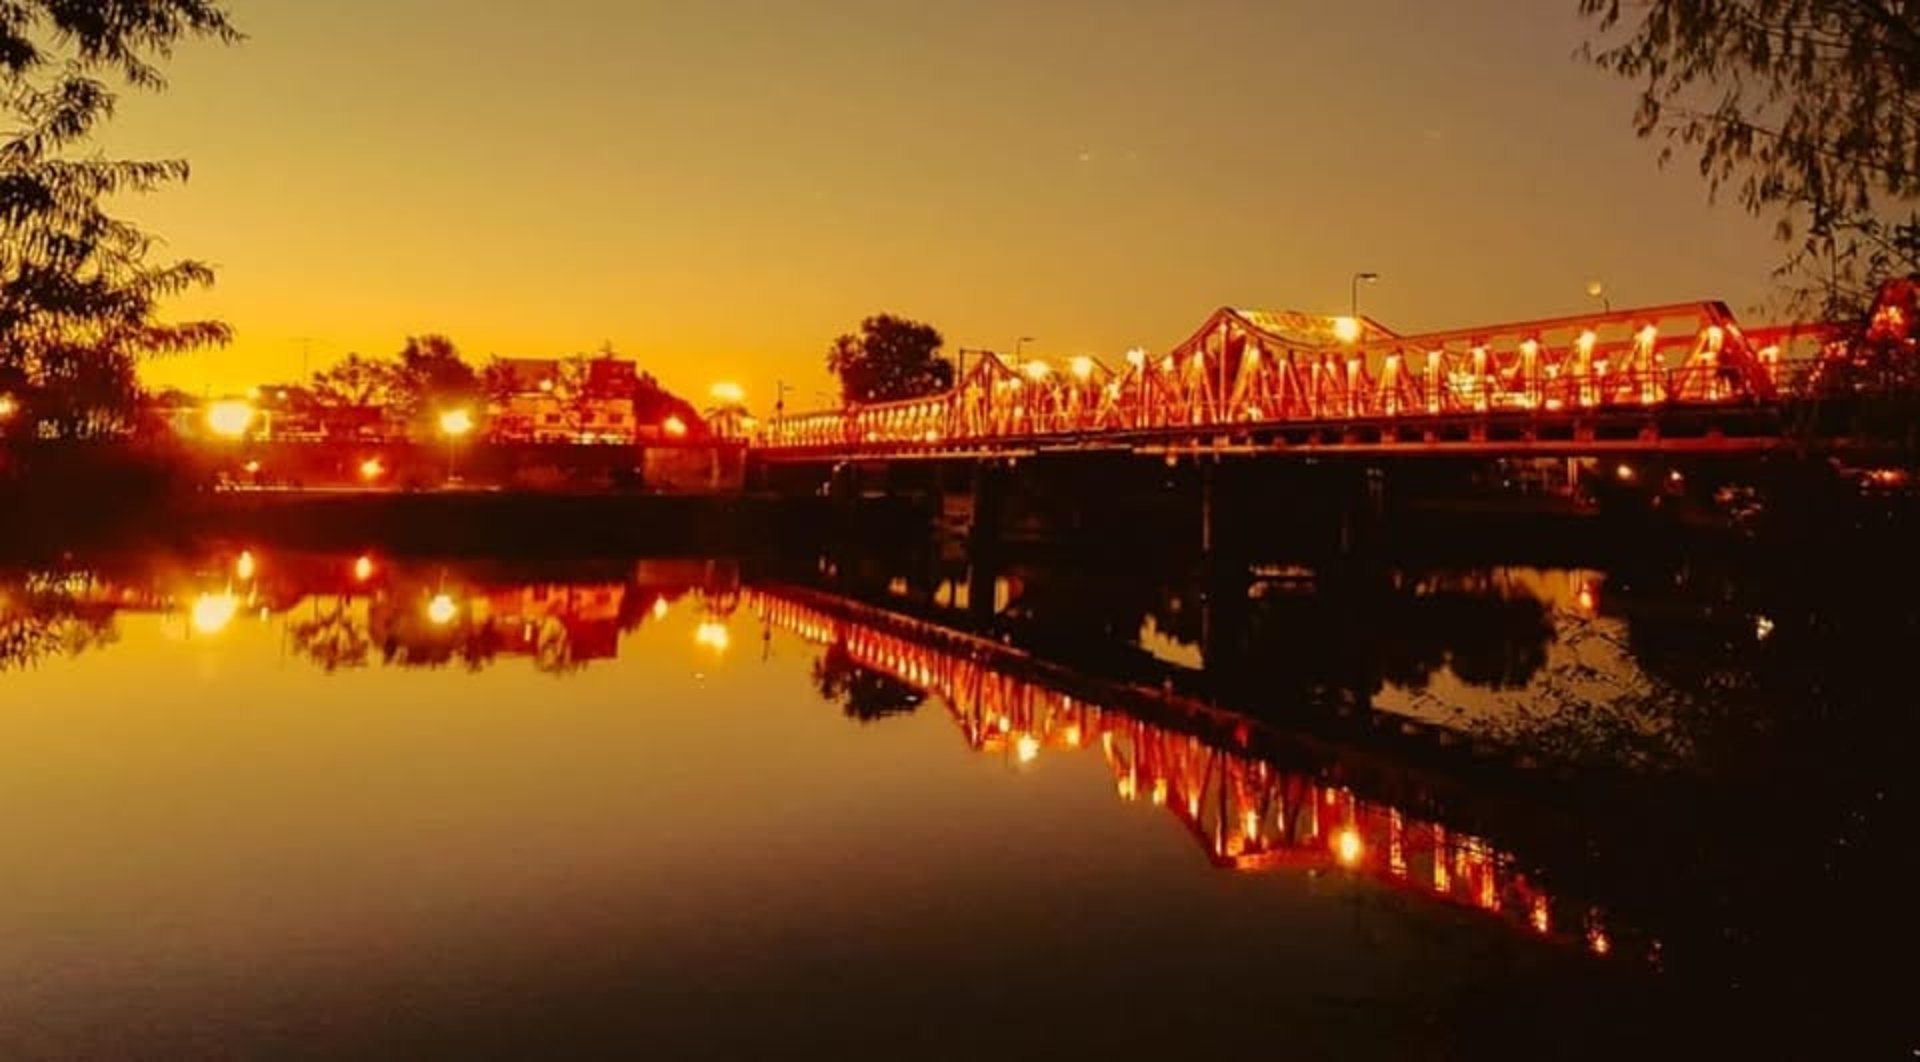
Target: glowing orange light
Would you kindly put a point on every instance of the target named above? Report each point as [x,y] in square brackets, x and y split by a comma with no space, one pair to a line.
[674,426]
[1625,473]
[8,407]
[1585,598]
[1346,329]
[363,568]
[1585,343]
[251,468]
[1347,847]
[1027,748]
[1136,357]
[213,613]
[1539,917]
[660,607]
[246,565]
[372,468]
[442,610]
[456,422]
[230,419]
[1072,736]
[713,635]
[1250,824]
[1598,941]
[1037,370]
[1082,367]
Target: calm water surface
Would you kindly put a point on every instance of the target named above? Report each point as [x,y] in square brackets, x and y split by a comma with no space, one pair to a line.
[272,804]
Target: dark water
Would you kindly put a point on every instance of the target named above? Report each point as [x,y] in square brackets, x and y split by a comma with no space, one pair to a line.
[267,803]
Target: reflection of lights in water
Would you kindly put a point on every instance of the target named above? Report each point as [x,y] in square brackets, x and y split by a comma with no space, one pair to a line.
[1250,824]
[442,610]
[1072,736]
[1347,847]
[713,635]
[363,568]
[1597,940]
[1539,917]
[213,613]
[659,608]
[372,468]
[1625,472]
[1159,796]
[1003,724]
[1586,598]
[1027,748]
[246,566]
[1762,627]
[251,468]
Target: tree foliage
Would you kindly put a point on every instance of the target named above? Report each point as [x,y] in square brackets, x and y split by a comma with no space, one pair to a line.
[79,291]
[892,358]
[1807,110]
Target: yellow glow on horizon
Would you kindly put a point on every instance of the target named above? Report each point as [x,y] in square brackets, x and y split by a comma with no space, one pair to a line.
[728,392]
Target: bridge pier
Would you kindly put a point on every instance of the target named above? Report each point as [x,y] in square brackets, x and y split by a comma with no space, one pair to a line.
[989,491]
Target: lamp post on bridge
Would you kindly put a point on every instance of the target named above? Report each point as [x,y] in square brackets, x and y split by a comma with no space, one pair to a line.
[1353,291]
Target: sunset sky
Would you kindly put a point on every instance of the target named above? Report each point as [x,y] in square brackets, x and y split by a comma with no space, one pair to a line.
[719,187]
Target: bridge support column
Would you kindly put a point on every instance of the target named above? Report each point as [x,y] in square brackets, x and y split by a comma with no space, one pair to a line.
[983,538]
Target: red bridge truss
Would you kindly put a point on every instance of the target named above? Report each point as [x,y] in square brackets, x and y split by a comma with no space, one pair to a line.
[1674,377]
[1241,811]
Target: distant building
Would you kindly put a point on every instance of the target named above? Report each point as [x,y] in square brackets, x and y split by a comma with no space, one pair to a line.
[551,400]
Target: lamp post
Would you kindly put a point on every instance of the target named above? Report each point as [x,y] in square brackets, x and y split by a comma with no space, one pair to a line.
[1018,346]
[1597,290]
[455,424]
[1353,292]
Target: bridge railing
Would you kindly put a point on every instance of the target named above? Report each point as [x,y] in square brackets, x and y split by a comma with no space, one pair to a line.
[1233,374]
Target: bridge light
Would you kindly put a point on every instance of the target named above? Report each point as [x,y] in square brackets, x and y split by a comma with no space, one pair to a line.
[1762,628]
[1027,748]
[372,468]
[713,635]
[442,610]
[1347,847]
[1647,335]
[1716,336]
[1136,357]
[1083,367]
[362,568]
[1346,329]
[1539,916]
[1586,341]
[1530,348]
[1625,473]
[674,427]
[1250,824]
[1037,370]
[1167,364]
[246,566]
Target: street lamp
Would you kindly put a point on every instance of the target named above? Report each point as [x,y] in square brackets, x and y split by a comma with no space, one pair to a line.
[1597,290]
[455,424]
[1018,346]
[1353,302]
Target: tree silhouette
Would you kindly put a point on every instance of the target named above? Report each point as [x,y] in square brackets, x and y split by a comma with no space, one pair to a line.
[356,381]
[891,358]
[1805,108]
[431,376]
[79,294]
[864,695]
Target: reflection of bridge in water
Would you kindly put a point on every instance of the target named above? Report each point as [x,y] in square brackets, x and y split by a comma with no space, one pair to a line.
[1252,798]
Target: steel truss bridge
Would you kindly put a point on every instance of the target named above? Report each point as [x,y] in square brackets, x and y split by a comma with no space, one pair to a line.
[1682,377]
[1219,775]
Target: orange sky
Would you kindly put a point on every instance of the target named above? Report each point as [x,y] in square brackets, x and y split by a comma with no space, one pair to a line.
[718,188]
